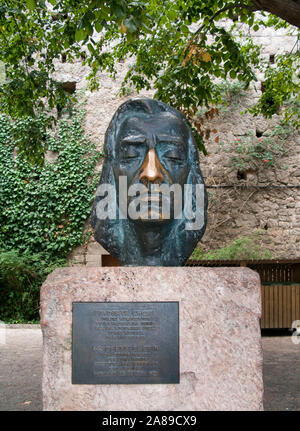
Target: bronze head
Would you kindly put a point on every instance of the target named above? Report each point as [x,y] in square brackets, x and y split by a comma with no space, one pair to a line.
[151,163]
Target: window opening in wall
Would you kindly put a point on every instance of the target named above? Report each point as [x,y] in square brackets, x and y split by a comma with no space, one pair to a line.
[69,87]
[272,58]
[241,175]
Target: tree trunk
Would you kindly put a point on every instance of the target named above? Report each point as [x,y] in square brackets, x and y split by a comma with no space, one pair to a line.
[288,10]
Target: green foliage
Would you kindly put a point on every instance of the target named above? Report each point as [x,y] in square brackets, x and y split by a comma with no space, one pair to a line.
[181,62]
[252,153]
[29,135]
[29,42]
[232,94]
[20,280]
[44,208]
[232,91]
[2,72]
[245,247]
[281,89]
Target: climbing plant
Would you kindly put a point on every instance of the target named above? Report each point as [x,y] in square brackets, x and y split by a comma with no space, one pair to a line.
[44,208]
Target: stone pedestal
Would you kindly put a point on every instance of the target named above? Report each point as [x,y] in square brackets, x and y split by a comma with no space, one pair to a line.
[220,342]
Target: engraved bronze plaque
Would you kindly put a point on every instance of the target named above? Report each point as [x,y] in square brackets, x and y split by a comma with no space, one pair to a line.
[125,342]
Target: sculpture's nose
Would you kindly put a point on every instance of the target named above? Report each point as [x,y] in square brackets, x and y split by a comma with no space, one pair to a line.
[151,170]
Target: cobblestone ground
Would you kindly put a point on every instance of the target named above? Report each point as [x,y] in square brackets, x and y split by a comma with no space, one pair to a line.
[281,373]
[21,370]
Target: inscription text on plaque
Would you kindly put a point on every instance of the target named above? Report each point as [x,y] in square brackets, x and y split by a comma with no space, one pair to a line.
[125,342]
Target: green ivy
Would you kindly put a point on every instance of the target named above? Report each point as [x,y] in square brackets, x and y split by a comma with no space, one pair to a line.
[44,208]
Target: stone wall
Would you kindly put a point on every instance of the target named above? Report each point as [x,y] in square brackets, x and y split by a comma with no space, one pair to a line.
[266,199]
[263,198]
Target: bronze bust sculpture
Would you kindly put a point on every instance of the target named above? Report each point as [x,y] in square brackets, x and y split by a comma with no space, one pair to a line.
[150,206]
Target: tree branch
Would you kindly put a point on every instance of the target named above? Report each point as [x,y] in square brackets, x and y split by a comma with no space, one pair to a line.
[288,10]
[224,9]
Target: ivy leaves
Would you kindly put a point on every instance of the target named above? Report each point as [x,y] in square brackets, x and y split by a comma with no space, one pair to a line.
[44,208]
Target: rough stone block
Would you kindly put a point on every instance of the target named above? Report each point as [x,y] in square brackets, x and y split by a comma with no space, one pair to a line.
[220,342]
[96,258]
[96,248]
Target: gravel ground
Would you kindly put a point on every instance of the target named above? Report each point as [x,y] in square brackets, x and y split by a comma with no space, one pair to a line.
[21,370]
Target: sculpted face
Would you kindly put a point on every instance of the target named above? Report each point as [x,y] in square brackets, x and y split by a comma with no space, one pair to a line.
[152,150]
